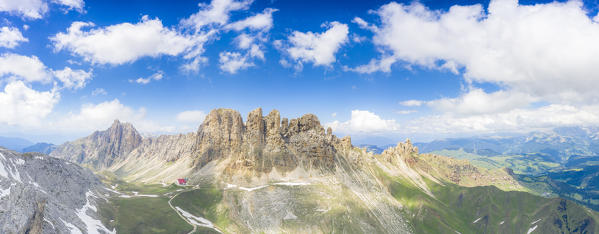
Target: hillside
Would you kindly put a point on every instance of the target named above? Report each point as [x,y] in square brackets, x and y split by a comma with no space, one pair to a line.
[41,194]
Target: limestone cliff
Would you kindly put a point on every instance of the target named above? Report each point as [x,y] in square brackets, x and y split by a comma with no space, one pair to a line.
[102,148]
[263,142]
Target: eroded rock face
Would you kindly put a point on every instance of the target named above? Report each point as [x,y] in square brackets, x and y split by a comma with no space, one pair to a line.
[41,194]
[264,142]
[102,148]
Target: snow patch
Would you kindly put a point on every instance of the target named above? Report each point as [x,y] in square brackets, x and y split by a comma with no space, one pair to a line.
[3,171]
[38,186]
[19,161]
[92,225]
[531,229]
[48,221]
[40,158]
[535,222]
[252,189]
[292,183]
[5,192]
[477,220]
[71,227]
[230,186]
[289,216]
[501,222]
[197,220]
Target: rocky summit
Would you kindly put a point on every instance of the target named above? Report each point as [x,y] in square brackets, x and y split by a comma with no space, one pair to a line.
[102,148]
[41,194]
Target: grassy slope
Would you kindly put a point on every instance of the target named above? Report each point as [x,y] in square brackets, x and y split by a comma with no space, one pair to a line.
[142,214]
[455,208]
[145,215]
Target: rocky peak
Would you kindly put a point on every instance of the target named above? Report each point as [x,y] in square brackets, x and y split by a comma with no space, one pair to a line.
[402,150]
[102,148]
[266,141]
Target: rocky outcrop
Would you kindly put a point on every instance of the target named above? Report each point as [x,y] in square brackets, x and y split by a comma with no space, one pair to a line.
[264,142]
[101,149]
[41,194]
[460,172]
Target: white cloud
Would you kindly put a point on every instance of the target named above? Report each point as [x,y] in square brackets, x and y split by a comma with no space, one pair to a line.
[93,117]
[516,120]
[191,116]
[215,13]
[546,50]
[29,69]
[99,91]
[156,76]
[477,101]
[261,22]
[317,48]
[11,37]
[364,122]
[406,112]
[357,38]
[126,42]
[33,9]
[73,79]
[71,4]
[36,9]
[232,62]
[22,105]
[411,103]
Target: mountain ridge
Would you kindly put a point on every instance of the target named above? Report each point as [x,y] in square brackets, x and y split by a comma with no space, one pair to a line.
[268,171]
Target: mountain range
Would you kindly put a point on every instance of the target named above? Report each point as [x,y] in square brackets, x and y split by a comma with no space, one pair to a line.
[271,174]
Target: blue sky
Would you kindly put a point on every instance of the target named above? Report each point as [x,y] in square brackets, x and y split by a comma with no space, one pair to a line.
[379,71]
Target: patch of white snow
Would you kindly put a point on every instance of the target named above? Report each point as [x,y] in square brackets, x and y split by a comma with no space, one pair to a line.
[92,225]
[197,220]
[531,229]
[292,183]
[252,189]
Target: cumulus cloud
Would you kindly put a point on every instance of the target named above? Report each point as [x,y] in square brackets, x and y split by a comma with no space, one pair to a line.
[27,68]
[91,117]
[254,33]
[216,13]
[11,37]
[126,42]
[156,76]
[547,50]
[191,116]
[73,79]
[317,48]
[36,9]
[262,21]
[71,4]
[364,122]
[32,9]
[22,105]
[232,62]
[516,120]
[477,101]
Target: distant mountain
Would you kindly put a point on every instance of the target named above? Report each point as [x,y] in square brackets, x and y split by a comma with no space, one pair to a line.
[558,144]
[14,143]
[269,174]
[375,148]
[44,148]
[102,148]
[41,194]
